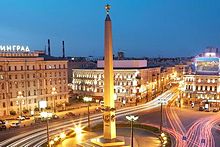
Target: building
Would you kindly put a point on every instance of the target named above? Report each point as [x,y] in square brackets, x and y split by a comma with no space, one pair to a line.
[26,78]
[76,63]
[130,84]
[201,83]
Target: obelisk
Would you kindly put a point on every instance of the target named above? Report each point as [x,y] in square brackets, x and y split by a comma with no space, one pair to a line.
[109,126]
[109,104]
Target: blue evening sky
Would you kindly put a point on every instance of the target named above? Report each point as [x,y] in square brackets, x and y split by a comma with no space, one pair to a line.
[140,27]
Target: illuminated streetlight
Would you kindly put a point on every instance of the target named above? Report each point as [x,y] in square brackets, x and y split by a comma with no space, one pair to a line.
[88,100]
[62,135]
[132,118]
[47,116]
[162,101]
[51,143]
[56,139]
[20,102]
[78,130]
[54,103]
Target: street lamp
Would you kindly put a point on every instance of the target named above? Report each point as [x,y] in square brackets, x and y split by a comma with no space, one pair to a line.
[88,100]
[162,101]
[47,116]
[54,104]
[132,118]
[19,101]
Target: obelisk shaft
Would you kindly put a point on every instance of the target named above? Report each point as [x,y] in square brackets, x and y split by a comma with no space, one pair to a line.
[109,113]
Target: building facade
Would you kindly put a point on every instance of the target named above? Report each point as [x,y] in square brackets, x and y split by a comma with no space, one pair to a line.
[26,78]
[201,83]
[130,85]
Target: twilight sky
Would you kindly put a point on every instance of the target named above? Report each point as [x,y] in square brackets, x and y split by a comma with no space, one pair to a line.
[149,28]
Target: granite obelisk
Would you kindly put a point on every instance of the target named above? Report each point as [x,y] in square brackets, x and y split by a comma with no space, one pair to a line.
[109,104]
[109,123]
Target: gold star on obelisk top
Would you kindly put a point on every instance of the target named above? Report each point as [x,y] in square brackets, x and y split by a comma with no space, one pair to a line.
[107,8]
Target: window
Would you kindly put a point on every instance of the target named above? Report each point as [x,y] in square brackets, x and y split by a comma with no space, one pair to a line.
[33,67]
[15,67]
[16,76]
[27,67]
[11,103]
[21,67]
[16,85]
[3,104]
[9,68]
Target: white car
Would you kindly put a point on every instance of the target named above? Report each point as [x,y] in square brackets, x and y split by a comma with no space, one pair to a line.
[21,118]
[15,125]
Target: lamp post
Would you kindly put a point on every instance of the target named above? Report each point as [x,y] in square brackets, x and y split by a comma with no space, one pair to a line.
[88,100]
[47,116]
[20,102]
[162,101]
[54,103]
[132,118]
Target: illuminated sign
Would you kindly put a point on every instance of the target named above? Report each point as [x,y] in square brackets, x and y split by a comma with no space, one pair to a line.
[42,104]
[14,48]
[207,64]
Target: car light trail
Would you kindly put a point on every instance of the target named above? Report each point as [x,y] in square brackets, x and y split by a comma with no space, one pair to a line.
[36,137]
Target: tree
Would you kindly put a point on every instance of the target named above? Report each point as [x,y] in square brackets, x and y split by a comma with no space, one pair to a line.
[25,111]
[12,112]
[67,104]
[48,107]
[36,109]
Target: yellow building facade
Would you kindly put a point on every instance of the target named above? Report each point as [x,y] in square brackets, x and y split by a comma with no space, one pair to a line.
[28,78]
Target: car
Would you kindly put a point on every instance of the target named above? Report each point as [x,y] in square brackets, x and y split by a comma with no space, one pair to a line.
[2,125]
[26,117]
[207,110]
[98,108]
[201,108]
[55,116]
[15,125]
[70,114]
[21,118]
[215,110]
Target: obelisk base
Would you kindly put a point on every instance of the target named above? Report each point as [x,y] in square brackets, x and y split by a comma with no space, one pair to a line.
[101,141]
